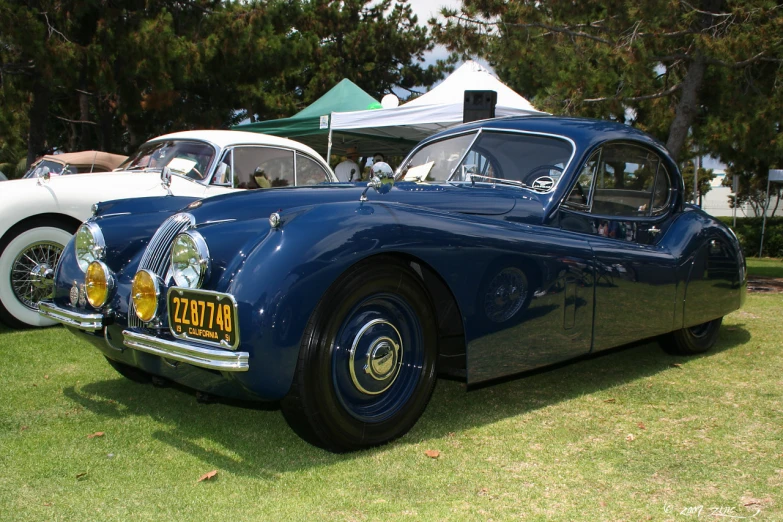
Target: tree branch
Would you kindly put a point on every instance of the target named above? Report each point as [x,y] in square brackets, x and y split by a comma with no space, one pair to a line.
[53,30]
[75,121]
[662,94]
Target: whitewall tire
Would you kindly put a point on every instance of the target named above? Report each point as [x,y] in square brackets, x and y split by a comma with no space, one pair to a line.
[39,244]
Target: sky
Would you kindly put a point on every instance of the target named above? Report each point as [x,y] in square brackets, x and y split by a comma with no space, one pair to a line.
[425,9]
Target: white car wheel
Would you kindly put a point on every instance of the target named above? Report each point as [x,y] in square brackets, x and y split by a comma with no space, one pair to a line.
[24,263]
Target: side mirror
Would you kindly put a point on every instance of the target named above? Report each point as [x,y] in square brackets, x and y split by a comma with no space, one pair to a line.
[381,179]
[43,174]
[165,179]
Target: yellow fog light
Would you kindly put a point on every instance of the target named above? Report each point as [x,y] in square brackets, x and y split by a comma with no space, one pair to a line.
[145,292]
[98,283]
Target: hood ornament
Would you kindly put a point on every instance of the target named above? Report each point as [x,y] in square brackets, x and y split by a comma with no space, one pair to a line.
[381,179]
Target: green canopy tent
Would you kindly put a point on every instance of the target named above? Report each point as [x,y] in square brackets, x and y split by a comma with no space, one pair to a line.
[311,125]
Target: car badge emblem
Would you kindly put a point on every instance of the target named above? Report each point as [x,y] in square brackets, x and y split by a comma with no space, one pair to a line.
[195,204]
[74,294]
[82,296]
[543,183]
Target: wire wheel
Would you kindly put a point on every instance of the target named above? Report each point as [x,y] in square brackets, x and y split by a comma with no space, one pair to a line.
[505,294]
[29,278]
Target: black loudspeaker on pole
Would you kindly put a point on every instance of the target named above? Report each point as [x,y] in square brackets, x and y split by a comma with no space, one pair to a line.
[479,105]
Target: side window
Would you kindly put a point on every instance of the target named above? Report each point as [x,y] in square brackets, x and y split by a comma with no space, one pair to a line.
[580,194]
[309,172]
[475,163]
[223,172]
[662,191]
[625,180]
[263,167]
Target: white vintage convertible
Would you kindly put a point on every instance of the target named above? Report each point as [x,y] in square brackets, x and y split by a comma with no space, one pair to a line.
[39,215]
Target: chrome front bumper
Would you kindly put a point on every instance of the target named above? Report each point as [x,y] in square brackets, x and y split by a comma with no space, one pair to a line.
[82,321]
[202,356]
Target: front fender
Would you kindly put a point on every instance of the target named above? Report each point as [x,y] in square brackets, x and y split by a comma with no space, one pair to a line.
[284,276]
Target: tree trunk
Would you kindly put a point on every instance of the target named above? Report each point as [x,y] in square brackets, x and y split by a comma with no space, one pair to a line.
[688,107]
[105,122]
[36,140]
[85,141]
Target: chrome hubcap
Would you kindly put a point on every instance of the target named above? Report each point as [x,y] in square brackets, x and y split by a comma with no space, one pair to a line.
[32,275]
[375,357]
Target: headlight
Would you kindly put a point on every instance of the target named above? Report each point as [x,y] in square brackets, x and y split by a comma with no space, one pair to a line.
[98,283]
[145,292]
[89,245]
[189,260]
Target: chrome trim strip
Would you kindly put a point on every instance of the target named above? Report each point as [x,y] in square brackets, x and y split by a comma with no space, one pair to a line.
[201,356]
[82,321]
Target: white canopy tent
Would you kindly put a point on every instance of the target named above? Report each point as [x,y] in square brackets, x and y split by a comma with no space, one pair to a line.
[438,109]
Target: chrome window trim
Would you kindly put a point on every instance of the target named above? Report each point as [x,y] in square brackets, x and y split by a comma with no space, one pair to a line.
[324,166]
[654,216]
[210,169]
[221,295]
[589,207]
[464,154]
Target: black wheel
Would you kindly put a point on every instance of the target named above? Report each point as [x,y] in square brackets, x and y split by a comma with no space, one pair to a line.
[366,367]
[693,340]
[129,372]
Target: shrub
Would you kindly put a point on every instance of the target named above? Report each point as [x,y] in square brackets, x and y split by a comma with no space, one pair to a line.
[748,232]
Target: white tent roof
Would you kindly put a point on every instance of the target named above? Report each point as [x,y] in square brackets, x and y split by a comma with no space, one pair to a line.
[438,109]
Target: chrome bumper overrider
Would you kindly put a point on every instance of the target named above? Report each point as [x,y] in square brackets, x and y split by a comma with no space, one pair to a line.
[202,356]
[82,321]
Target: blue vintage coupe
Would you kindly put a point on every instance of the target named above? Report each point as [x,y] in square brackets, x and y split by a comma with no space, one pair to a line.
[496,247]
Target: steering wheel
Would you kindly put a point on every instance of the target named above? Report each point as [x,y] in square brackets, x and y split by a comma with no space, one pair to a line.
[531,176]
[198,176]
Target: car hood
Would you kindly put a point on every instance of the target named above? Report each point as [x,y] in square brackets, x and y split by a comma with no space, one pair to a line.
[443,198]
[97,186]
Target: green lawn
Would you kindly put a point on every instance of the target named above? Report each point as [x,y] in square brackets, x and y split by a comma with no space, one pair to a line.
[766,266]
[632,435]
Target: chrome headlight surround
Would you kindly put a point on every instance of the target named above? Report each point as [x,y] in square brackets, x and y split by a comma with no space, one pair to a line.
[190,263]
[89,245]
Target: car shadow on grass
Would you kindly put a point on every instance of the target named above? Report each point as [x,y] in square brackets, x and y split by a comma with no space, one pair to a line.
[252,439]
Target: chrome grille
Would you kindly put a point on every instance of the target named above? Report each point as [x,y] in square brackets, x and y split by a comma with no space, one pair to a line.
[157,256]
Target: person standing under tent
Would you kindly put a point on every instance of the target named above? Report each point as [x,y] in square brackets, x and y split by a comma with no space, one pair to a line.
[348,170]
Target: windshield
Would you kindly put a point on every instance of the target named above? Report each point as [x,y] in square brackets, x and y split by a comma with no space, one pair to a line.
[526,160]
[54,168]
[184,157]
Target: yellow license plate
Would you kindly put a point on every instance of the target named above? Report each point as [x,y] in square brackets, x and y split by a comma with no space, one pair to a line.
[203,316]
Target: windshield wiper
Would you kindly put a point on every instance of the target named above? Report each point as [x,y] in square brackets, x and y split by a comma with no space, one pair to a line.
[502,181]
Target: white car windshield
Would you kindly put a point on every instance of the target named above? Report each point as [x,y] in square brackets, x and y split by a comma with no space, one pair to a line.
[511,158]
[184,157]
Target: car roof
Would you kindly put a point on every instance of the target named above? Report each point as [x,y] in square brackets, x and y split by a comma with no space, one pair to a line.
[585,132]
[224,138]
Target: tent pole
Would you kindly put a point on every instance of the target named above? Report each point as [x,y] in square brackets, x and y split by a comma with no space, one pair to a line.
[329,146]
